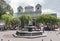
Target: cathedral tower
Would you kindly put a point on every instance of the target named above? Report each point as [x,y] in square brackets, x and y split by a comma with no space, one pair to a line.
[20,9]
[38,8]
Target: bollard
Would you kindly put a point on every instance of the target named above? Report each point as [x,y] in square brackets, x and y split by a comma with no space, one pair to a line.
[42,39]
[1,39]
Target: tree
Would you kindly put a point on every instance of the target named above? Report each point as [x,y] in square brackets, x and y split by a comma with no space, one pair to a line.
[14,22]
[58,21]
[5,7]
[46,19]
[6,18]
[25,19]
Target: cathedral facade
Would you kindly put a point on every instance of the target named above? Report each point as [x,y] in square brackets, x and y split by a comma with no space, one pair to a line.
[30,10]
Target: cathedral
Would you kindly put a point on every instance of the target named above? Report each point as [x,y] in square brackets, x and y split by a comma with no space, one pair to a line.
[30,10]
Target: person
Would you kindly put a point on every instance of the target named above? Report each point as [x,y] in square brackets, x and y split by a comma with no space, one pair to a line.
[42,27]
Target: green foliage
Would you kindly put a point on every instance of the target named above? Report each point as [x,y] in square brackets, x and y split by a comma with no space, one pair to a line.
[25,19]
[58,21]
[5,7]
[10,21]
[15,21]
[46,19]
[6,18]
[2,11]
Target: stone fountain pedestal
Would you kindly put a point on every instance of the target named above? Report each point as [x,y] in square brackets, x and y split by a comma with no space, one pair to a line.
[29,32]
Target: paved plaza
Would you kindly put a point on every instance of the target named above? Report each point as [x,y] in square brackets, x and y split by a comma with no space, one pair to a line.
[51,35]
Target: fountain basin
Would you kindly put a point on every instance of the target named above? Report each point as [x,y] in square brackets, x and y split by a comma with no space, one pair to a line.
[27,33]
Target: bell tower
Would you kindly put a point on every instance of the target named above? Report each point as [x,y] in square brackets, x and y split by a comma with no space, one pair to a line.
[20,9]
[38,8]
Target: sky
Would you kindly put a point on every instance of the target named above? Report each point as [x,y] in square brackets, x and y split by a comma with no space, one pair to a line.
[48,6]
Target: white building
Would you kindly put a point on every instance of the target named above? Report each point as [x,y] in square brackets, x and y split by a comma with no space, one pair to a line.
[29,10]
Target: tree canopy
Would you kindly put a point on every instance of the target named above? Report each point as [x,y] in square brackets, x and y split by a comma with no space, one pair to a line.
[5,7]
[10,21]
[25,19]
[46,19]
[15,21]
[6,18]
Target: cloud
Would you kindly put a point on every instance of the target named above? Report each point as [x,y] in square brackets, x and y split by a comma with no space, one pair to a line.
[51,5]
[48,11]
[16,3]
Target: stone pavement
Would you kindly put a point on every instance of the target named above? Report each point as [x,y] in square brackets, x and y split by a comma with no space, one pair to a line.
[51,35]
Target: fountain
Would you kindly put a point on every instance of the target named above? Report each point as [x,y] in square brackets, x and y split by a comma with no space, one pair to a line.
[29,31]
